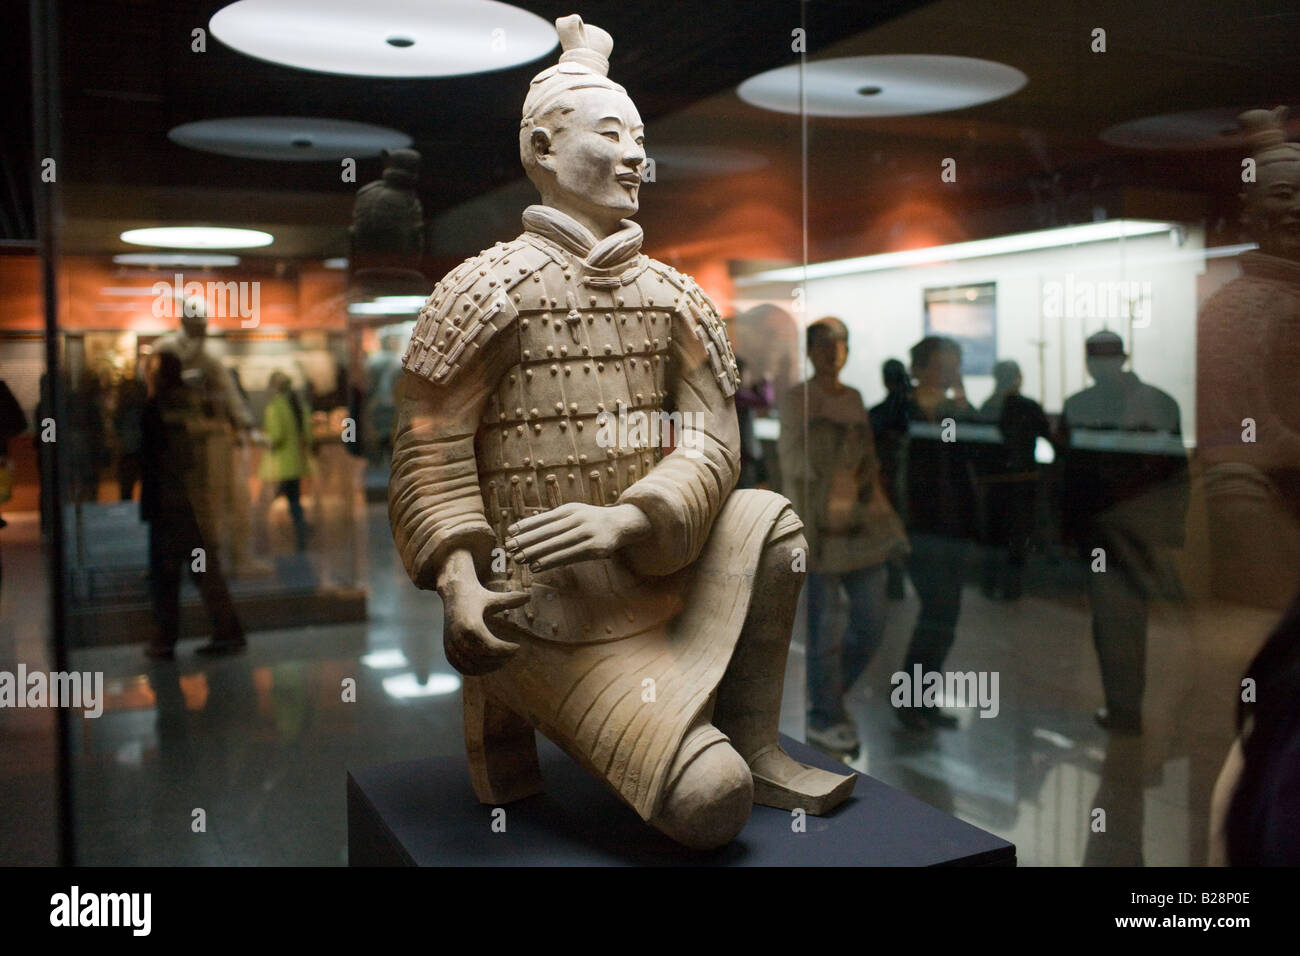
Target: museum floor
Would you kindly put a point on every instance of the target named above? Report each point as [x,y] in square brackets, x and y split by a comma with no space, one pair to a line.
[260,743]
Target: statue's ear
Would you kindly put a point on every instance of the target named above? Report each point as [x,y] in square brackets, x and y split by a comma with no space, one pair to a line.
[541,144]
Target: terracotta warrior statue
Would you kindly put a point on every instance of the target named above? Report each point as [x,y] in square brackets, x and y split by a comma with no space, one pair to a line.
[387,218]
[1247,403]
[621,599]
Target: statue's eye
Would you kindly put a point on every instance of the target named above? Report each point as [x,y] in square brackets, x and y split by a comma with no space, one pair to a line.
[611,134]
[640,140]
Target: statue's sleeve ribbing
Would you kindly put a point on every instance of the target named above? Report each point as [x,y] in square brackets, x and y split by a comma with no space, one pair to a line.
[434,503]
[683,494]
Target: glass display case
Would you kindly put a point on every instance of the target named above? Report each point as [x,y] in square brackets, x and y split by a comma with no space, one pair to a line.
[1013,299]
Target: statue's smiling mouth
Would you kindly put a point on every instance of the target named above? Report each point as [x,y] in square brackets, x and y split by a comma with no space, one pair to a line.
[629,179]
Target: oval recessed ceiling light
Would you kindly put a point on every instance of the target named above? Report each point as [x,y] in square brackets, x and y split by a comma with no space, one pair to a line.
[197,237]
[384,37]
[1188,130]
[171,260]
[894,85]
[294,138]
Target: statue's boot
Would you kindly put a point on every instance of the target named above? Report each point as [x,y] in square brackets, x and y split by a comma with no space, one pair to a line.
[781,781]
[748,703]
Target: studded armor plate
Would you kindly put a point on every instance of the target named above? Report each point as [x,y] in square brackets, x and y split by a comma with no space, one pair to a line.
[581,342]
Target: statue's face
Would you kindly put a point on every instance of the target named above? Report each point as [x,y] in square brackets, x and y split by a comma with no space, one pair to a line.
[597,154]
[1273,206]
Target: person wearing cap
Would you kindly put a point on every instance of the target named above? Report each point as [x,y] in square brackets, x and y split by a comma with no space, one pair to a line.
[626,602]
[1124,495]
[831,475]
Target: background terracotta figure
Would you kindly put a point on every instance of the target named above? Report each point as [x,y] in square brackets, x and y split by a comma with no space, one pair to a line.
[387,218]
[643,619]
[1247,405]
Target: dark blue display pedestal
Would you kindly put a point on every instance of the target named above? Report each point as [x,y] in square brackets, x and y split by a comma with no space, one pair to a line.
[423,813]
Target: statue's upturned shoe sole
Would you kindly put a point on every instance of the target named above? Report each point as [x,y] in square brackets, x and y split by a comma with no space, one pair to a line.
[784,783]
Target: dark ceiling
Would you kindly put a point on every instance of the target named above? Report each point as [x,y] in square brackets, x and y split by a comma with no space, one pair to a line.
[130,76]
[1035,158]
[17,158]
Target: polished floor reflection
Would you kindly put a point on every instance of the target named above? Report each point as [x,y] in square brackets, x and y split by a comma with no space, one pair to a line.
[260,743]
[1036,773]
[28,755]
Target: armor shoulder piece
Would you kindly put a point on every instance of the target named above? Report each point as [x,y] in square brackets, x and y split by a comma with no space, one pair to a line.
[702,317]
[470,305]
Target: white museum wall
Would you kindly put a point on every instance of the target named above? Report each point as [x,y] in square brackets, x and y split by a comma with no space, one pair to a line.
[885,313]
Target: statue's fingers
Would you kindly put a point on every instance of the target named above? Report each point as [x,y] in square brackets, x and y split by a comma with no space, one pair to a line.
[540,520]
[504,601]
[531,537]
[583,551]
[547,546]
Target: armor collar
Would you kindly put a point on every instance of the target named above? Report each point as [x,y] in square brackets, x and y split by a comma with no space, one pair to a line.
[605,255]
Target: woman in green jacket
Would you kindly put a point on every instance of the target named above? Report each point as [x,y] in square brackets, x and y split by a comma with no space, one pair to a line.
[289,456]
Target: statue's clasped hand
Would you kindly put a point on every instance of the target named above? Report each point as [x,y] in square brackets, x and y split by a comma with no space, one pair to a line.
[574,532]
[564,535]
[469,643]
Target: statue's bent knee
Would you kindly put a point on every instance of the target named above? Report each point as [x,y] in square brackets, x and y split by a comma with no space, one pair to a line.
[784,559]
[710,801]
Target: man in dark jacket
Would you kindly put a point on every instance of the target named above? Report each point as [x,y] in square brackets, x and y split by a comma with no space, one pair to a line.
[889,427]
[170,461]
[12,424]
[1124,495]
[1010,476]
[937,492]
